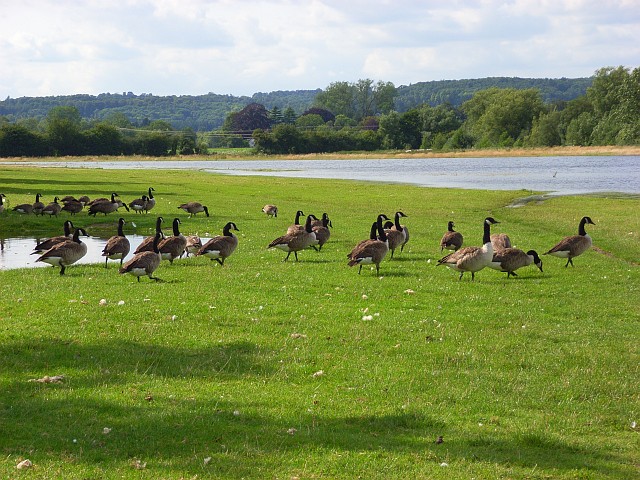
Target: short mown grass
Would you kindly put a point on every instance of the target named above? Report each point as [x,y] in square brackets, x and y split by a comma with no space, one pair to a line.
[265,369]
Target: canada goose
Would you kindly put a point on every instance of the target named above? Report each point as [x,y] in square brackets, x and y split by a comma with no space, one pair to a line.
[139,205]
[510,259]
[25,208]
[38,206]
[373,235]
[68,198]
[323,221]
[472,259]
[151,201]
[270,211]
[296,241]
[194,243]
[147,244]
[72,206]
[451,240]
[2,195]
[193,208]
[296,227]
[106,207]
[52,208]
[570,247]
[371,251]
[117,247]
[45,245]
[405,230]
[66,253]
[395,234]
[220,247]
[500,241]
[321,229]
[145,263]
[172,247]
[84,200]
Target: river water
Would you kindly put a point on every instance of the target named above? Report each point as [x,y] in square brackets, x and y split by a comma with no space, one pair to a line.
[558,175]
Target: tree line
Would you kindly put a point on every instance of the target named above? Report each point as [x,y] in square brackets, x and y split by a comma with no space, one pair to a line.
[208,112]
[356,116]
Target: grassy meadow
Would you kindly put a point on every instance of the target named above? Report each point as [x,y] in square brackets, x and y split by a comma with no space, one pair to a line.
[264,369]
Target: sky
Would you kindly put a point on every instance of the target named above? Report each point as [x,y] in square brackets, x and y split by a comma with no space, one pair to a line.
[241,47]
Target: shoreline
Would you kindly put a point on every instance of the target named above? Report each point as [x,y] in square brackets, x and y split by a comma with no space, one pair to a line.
[400,154]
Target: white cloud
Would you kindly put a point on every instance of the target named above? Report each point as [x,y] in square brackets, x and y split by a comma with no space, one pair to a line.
[240,47]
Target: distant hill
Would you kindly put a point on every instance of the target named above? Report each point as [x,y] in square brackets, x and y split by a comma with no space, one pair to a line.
[207,112]
[457,92]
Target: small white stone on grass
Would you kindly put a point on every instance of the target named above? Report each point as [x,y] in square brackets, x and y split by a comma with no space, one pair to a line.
[106,430]
[292,431]
[24,464]
[367,318]
[121,302]
[319,373]
[103,301]
[207,460]
[236,413]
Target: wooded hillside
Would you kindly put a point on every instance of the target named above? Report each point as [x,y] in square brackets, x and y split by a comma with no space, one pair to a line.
[208,112]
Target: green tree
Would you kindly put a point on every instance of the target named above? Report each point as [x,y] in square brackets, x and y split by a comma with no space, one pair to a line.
[18,141]
[499,117]
[545,131]
[275,116]
[338,98]
[309,121]
[289,116]
[63,131]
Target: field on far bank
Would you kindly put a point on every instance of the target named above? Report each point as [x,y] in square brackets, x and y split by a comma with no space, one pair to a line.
[249,154]
[307,370]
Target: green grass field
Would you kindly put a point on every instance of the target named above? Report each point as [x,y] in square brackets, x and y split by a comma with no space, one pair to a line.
[264,369]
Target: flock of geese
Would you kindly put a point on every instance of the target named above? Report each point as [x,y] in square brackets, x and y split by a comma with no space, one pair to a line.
[496,251]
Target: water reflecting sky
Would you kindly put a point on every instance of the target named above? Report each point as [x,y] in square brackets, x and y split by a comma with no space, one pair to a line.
[561,175]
